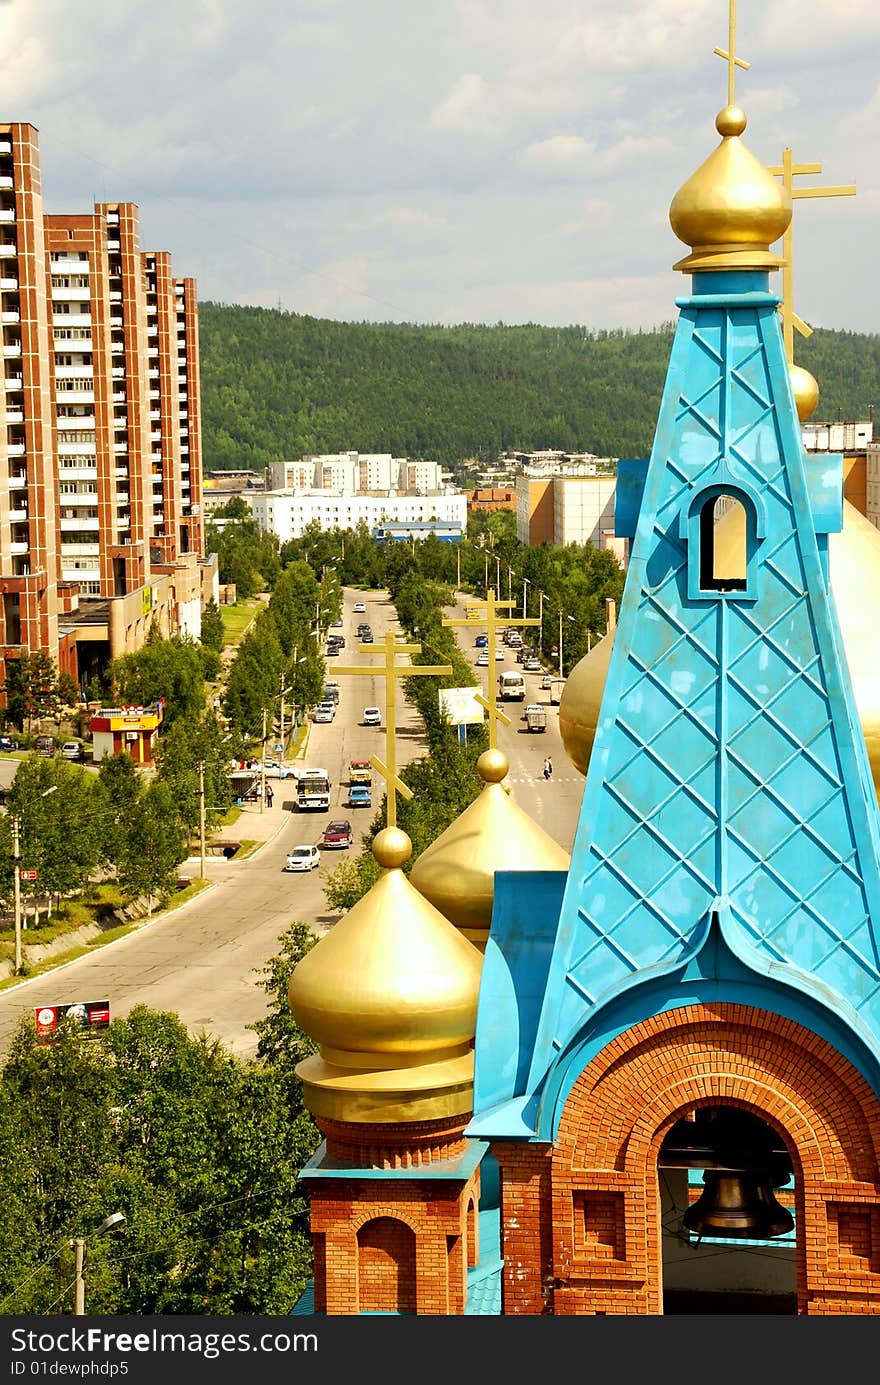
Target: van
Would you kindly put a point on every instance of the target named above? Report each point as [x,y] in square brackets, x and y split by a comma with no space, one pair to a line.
[45,745]
[331,692]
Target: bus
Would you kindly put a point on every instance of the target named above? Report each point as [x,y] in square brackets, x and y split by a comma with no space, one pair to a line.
[313,790]
[511,687]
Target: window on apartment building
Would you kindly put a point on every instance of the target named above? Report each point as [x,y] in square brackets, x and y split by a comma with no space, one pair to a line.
[68,255]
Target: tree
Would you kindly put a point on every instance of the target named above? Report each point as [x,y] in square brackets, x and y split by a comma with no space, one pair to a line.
[199,1150]
[212,633]
[190,742]
[30,689]
[153,846]
[172,669]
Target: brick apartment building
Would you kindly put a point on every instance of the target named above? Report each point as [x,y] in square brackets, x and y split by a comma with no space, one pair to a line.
[100,526]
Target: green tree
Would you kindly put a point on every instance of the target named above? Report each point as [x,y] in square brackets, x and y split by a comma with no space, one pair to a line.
[212,634]
[153,847]
[173,669]
[119,788]
[30,689]
[200,1151]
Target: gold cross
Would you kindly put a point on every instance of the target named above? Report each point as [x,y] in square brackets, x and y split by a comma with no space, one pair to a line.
[388,770]
[729,57]
[787,171]
[488,619]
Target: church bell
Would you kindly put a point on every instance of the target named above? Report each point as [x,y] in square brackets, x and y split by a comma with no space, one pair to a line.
[738,1204]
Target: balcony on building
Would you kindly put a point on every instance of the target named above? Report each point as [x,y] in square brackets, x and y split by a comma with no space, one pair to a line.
[70,294]
[11,349]
[113,245]
[15,449]
[9,283]
[14,416]
[6,179]
[14,383]
[8,251]
[17,480]
[80,550]
[10,315]
[17,547]
[116,320]
[72,320]
[7,214]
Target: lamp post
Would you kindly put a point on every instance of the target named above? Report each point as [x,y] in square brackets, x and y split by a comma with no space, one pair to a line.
[526,583]
[112,1223]
[571,618]
[16,878]
[497,573]
[458,567]
[486,572]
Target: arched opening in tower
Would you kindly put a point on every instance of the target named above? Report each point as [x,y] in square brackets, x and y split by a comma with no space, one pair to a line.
[723,565]
[728,1233]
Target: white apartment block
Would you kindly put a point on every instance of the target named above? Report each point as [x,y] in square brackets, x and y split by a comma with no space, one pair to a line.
[356,473]
[288,513]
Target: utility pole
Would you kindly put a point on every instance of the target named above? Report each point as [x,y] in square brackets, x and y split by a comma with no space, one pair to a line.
[263,764]
[281,737]
[458,568]
[16,886]
[79,1283]
[201,819]
[560,643]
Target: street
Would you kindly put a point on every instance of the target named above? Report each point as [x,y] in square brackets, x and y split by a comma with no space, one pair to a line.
[203,961]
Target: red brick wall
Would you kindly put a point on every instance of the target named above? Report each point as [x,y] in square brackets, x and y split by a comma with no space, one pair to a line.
[581,1220]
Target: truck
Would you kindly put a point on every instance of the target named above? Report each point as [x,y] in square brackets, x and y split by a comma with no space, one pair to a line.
[556,688]
[360,772]
[511,687]
[536,718]
[313,790]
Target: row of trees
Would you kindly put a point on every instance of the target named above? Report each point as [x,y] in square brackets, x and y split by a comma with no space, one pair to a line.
[201,1152]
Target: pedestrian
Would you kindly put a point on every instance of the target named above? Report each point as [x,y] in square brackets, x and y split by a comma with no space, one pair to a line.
[548,768]
[269,795]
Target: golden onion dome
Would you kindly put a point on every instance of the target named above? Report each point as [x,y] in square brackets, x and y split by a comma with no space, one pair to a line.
[805,388]
[853,555]
[457,871]
[390,996]
[732,209]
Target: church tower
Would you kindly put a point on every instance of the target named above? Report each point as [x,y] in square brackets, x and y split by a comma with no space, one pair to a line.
[679,1076]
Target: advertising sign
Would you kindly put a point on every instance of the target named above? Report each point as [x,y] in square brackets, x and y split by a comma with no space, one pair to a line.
[459,706]
[89,1017]
[29,874]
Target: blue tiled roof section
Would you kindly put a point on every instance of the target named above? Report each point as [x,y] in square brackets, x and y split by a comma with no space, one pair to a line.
[305,1304]
[729,777]
[484,1280]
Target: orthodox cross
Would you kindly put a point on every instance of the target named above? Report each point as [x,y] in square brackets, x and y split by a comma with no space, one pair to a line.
[787,171]
[488,620]
[733,62]
[388,770]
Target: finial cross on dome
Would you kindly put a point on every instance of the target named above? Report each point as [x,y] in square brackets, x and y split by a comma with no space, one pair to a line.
[788,170]
[733,62]
[393,670]
[489,621]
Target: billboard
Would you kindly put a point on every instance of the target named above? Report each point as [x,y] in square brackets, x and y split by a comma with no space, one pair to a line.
[460,707]
[90,1017]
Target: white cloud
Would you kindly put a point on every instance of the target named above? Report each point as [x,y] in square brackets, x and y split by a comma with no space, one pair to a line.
[416,161]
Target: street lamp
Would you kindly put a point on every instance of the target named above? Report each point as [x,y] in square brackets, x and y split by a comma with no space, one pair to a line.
[527,583]
[16,878]
[112,1223]
[571,618]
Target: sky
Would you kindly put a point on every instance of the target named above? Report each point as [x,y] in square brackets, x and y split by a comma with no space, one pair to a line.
[449,161]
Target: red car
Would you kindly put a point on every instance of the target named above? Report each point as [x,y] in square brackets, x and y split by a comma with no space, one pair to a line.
[337,834]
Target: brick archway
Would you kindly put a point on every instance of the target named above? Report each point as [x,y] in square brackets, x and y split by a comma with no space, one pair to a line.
[581,1218]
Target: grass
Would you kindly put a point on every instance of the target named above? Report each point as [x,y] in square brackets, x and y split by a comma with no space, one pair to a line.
[229,818]
[245,849]
[183,896]
[237,618]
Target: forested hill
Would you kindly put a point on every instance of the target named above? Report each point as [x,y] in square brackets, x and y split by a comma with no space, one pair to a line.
[276,386]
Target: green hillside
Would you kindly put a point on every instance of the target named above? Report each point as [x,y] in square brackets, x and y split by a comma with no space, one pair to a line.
[276,386]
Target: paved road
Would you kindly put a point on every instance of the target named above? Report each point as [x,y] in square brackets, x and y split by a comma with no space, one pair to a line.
[204,961]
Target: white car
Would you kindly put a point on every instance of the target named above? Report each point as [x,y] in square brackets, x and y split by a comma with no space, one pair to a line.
[372,716]
[325,711]
[547,681]
[274,769]
[303,858]
[359,608]
[482,660]
[499,654]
